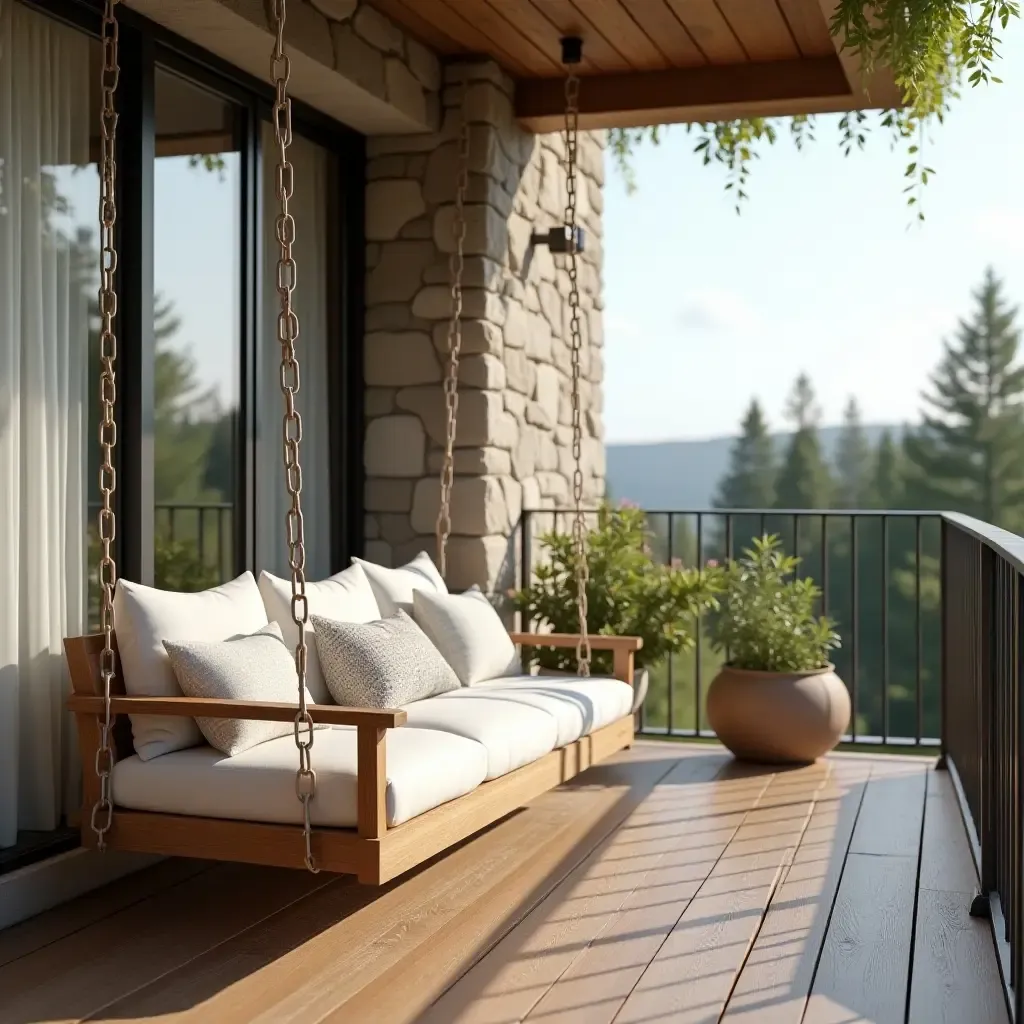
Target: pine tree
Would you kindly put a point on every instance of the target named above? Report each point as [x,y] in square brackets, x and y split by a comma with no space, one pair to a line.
[968,453]
[804,480]
[749,481]
[887,476]
[853,461]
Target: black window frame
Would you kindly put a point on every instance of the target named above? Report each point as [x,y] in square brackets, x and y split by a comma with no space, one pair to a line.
[144,46]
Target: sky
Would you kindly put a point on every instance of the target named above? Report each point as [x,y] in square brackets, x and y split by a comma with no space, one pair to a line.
[825,270]
[705,309]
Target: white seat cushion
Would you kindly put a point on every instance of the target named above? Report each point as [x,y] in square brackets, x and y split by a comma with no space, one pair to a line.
[424,769]
[578,706]
[513,733]
[145,617]
[393,588]
[345,597]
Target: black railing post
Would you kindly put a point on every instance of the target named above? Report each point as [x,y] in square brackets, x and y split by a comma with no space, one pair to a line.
[525,567]
[986,730]
[945,600]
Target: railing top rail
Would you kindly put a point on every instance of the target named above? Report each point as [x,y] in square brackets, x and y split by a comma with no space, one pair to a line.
[1007,545]
[838,512]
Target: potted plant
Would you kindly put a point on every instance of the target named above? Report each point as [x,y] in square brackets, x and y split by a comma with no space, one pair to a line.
[777,698]
[628,594]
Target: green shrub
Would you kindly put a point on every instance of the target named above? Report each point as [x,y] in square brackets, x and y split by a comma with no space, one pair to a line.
[628,594]
[766,621]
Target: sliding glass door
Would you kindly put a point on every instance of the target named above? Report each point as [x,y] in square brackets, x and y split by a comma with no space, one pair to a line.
[200,493]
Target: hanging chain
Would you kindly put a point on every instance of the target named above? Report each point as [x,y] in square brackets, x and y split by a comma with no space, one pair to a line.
[579,525]
[287,335]
[451,382]
[103,810]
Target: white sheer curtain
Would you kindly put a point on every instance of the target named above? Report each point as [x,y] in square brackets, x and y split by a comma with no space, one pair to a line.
[44,125]
[308,206]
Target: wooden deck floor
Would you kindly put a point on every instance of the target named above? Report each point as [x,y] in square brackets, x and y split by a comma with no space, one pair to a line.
[671,885]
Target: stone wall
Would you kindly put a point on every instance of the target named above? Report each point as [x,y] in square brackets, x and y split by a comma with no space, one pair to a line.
[514,442]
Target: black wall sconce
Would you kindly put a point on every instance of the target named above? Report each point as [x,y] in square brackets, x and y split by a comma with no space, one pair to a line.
[559,240]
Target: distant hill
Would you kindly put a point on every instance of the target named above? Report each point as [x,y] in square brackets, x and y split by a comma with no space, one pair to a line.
[685,474]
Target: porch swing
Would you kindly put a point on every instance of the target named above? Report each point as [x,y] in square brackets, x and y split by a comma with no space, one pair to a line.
[396,785]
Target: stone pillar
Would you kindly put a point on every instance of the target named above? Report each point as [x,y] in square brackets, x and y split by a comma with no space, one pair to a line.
[514,440]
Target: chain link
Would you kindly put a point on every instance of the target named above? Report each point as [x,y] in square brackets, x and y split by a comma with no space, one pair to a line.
[579,525]
[287,335]
[102,817]
[456,264]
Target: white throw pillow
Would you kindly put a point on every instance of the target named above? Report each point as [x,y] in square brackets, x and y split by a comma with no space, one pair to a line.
[145,617]
[394,588]
[344,597]
[468,631]
[382,664]
[254,668]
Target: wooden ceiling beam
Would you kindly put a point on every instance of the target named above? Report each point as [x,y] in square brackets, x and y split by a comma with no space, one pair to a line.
[771,88]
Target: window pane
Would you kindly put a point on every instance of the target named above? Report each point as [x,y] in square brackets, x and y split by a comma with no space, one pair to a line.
[196,250]
[311,207]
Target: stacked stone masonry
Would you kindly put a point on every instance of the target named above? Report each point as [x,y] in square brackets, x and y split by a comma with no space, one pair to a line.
[514,440]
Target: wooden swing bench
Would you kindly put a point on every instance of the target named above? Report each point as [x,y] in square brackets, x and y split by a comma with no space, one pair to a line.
[373,852]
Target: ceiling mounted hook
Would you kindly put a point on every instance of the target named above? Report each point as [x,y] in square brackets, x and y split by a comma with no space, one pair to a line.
[572,50]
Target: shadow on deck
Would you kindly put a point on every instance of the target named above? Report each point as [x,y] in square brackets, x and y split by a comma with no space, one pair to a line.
[671,884]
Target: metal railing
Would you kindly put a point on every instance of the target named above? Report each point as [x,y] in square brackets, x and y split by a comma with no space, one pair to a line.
[195,538]
[983,591]
[879,573]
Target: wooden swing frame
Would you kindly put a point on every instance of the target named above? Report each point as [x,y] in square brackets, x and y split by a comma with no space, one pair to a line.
[371,851]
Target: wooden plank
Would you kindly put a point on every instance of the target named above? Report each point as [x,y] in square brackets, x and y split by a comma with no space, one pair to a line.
[306,963]
[761,28]
[809,85]
[691,976]
[523,966]
[505,35]
[865,960]
[533,22]
[404,13]
[890,818]
[253,711]
[660,23]
[956,975]
[146,940]
[946,861]
[775,982]
[613,21]
[808,27]
[709,30]
[597,983]
[571,21]
[460,25]
[52,925]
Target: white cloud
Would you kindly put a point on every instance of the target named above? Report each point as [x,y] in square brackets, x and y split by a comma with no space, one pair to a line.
[1000,227]
[716,311]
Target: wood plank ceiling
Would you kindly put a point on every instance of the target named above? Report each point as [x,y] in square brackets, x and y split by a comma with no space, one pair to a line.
[654,61]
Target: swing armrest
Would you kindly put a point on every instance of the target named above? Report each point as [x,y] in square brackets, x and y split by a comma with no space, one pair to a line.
[259,711]
[623,648]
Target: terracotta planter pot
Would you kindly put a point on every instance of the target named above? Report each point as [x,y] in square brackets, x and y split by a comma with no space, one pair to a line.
[778,717]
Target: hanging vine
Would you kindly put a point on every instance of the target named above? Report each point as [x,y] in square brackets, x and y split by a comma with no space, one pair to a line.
[931,48]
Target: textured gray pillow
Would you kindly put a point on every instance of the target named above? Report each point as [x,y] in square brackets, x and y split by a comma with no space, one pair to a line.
[259,667]
[382,664]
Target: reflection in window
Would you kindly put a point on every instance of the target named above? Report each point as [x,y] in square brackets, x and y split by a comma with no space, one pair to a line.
[49,261]
[311,208]
[196,249]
